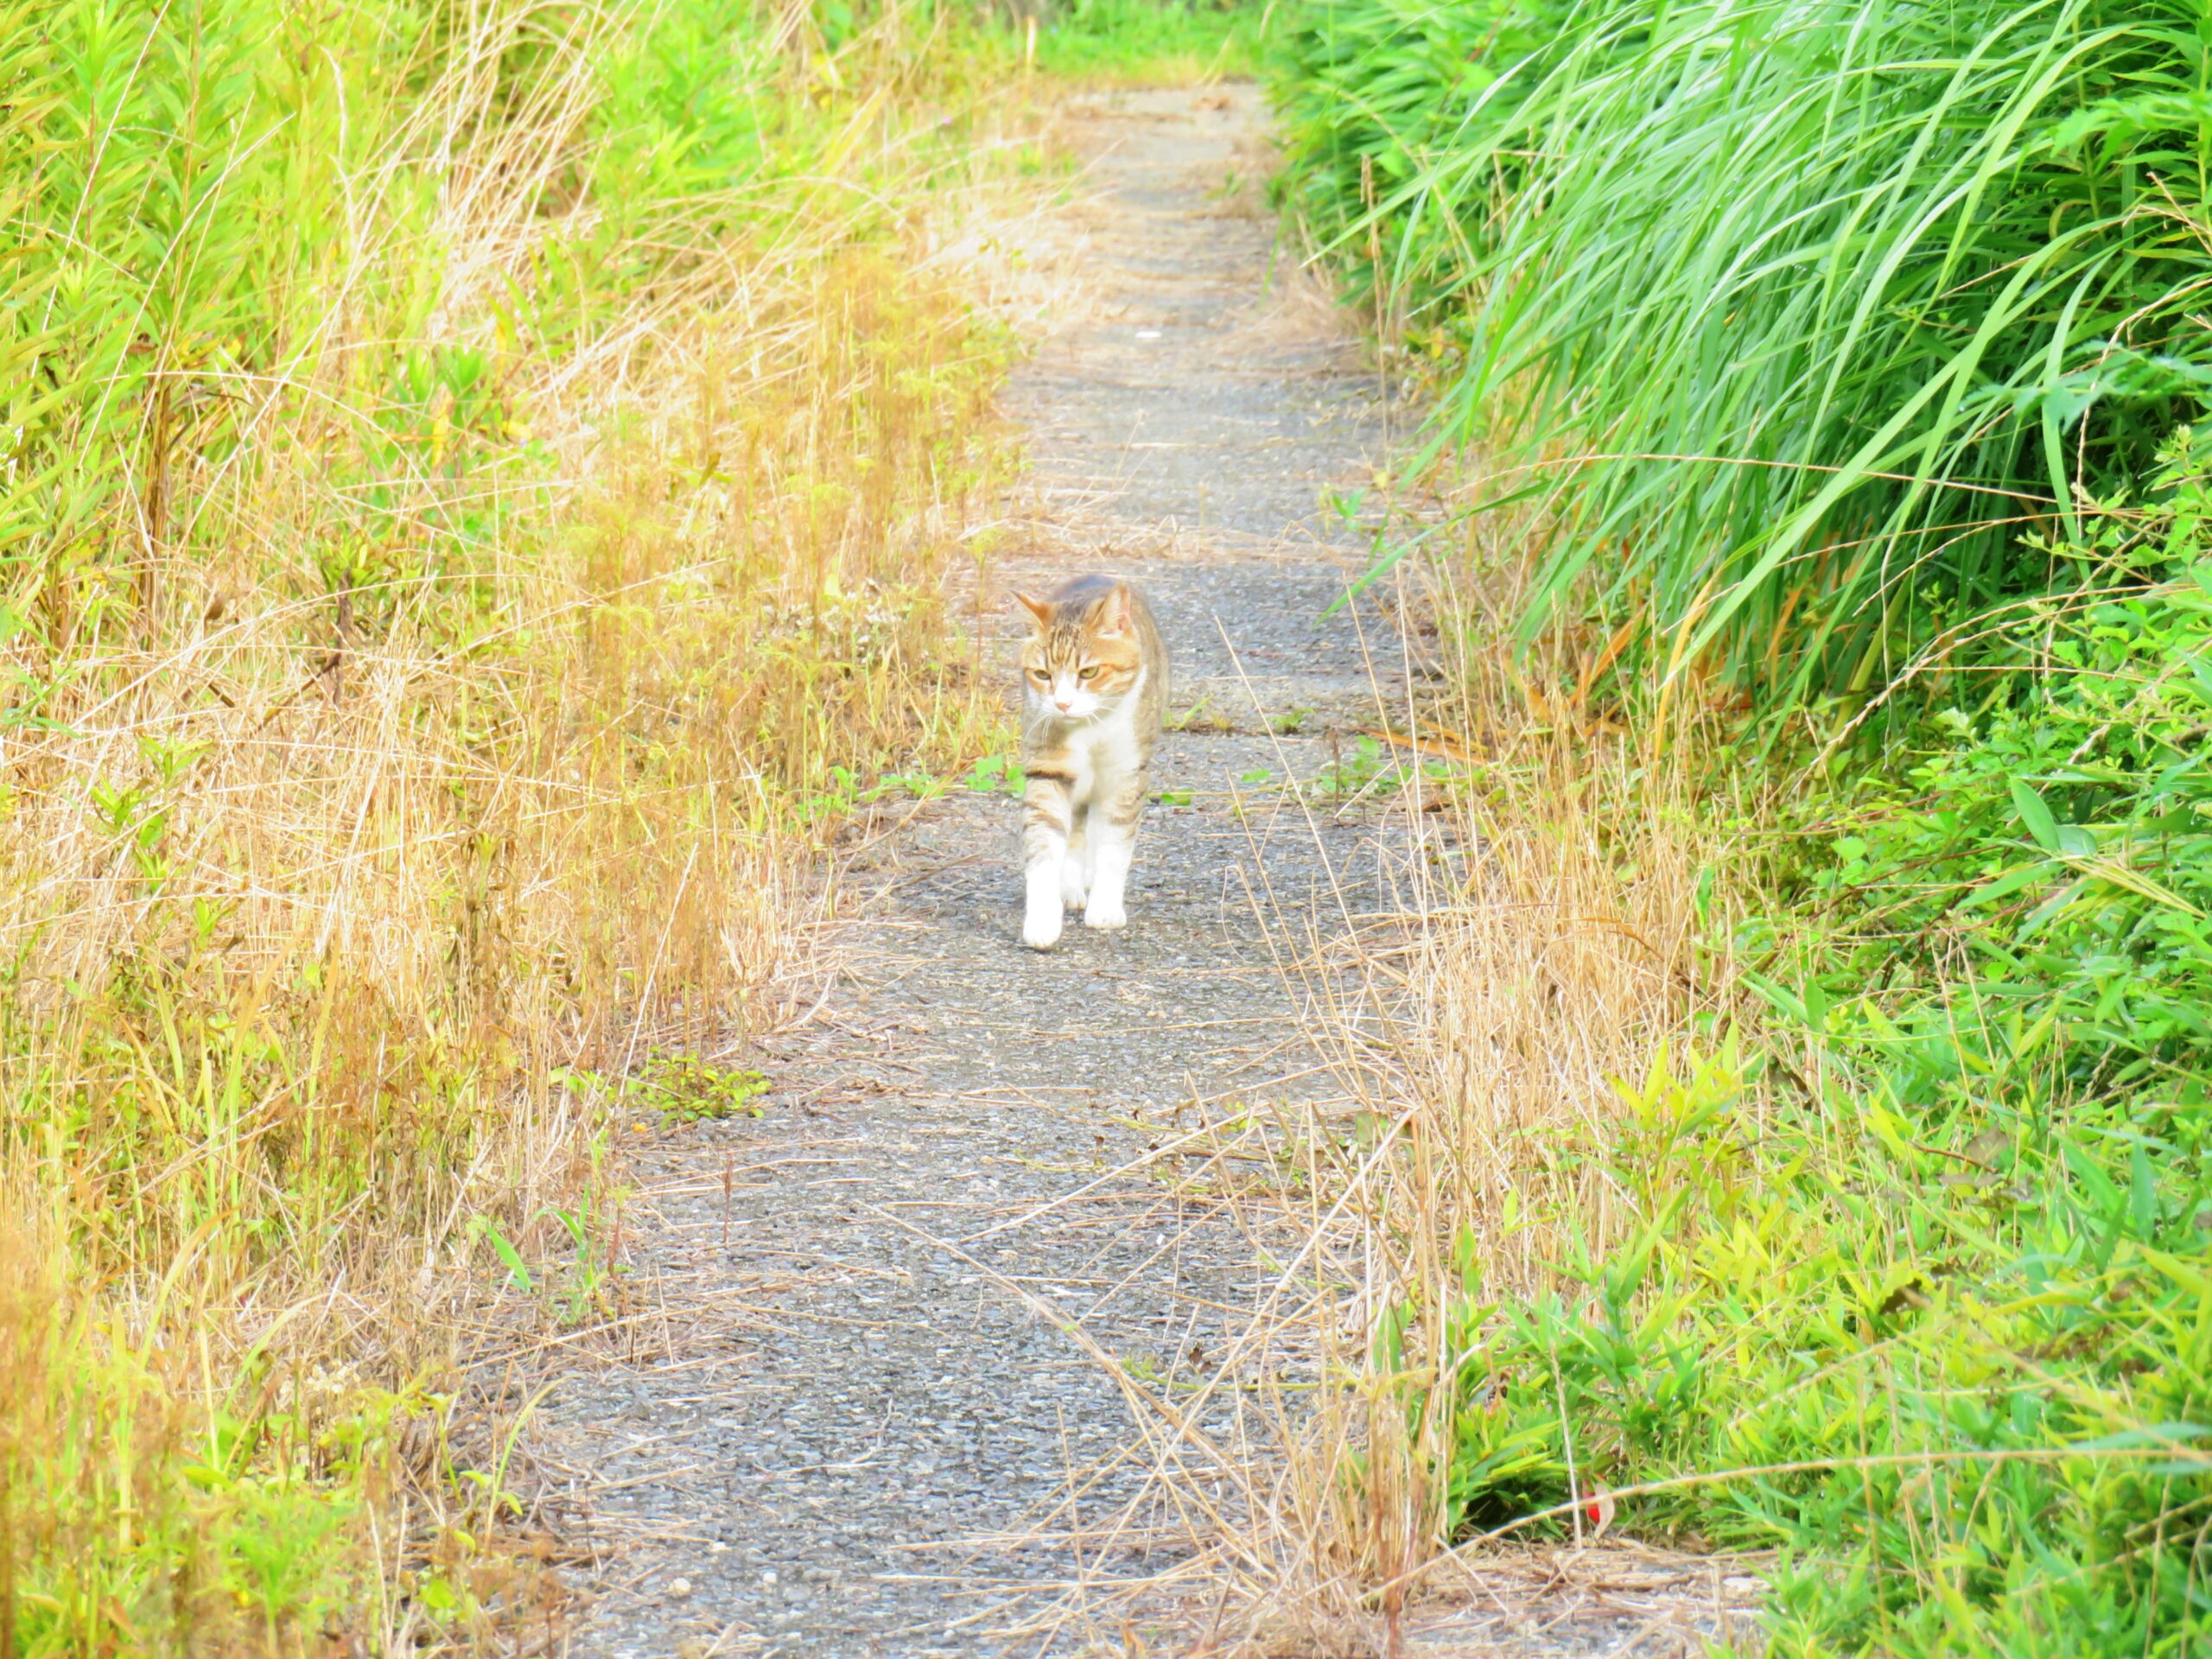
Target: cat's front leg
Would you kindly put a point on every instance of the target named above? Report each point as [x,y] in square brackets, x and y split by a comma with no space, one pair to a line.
[1050,799]
[1112,841]
[1076,862]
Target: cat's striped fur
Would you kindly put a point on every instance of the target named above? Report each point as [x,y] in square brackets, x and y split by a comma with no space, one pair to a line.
[1094,687]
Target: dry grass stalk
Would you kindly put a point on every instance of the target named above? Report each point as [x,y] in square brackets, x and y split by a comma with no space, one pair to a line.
[415,803]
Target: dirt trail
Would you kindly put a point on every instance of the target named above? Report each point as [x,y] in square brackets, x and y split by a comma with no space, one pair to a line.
[907,1445]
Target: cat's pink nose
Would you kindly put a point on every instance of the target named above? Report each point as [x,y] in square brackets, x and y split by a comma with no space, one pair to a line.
[1062,704]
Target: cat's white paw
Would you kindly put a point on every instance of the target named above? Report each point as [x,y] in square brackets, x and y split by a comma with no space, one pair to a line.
[1108,883]
[1073,891]
[1041,911]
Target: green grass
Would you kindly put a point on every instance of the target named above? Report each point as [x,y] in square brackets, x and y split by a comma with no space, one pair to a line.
[1796,314]
[1141,42]
[1892,1254]
[1835,368]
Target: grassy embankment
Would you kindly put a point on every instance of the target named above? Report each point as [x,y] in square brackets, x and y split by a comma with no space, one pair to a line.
[1805,1109]
[474,491]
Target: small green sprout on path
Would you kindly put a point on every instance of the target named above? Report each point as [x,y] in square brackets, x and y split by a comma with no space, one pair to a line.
[842,795]
[588,1281]
[1200,716]
[996,772]
[1369,770]
[922,786]
[685,1089]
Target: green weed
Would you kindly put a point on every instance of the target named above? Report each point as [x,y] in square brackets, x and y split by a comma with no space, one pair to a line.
[1143,41]
[996,774]
[684,1088]
[1893,1258]
[1371,770]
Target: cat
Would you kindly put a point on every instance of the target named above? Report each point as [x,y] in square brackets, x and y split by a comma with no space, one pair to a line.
[1094,687]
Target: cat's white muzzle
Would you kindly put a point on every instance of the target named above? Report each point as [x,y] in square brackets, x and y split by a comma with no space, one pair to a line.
[1072,701]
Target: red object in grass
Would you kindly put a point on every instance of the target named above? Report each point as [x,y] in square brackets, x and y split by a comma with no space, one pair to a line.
[1598,1507]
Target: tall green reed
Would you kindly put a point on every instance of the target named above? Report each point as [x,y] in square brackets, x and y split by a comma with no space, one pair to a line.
[1811,313]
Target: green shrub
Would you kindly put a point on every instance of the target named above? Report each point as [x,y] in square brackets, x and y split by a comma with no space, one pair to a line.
[1128,40]
[2059,840]
[1928,1307]
[1957,1370]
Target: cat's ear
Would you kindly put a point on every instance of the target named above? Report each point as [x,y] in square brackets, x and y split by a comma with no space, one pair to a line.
[1041,609]
[1114,614]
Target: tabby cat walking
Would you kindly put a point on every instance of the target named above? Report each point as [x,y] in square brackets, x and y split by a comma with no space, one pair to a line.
[1094,685]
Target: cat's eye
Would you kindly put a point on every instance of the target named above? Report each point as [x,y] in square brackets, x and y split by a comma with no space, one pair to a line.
[1090,672]
[1038,675]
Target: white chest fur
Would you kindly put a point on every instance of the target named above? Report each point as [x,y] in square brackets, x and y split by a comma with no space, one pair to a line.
[1104,753]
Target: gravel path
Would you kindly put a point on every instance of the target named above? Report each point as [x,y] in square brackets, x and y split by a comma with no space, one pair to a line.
[907,1443]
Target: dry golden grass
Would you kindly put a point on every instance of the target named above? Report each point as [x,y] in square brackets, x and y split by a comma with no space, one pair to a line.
[1540,947]
[413,779]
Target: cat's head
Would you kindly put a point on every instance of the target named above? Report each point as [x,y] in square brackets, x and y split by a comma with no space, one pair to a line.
[1082,656]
